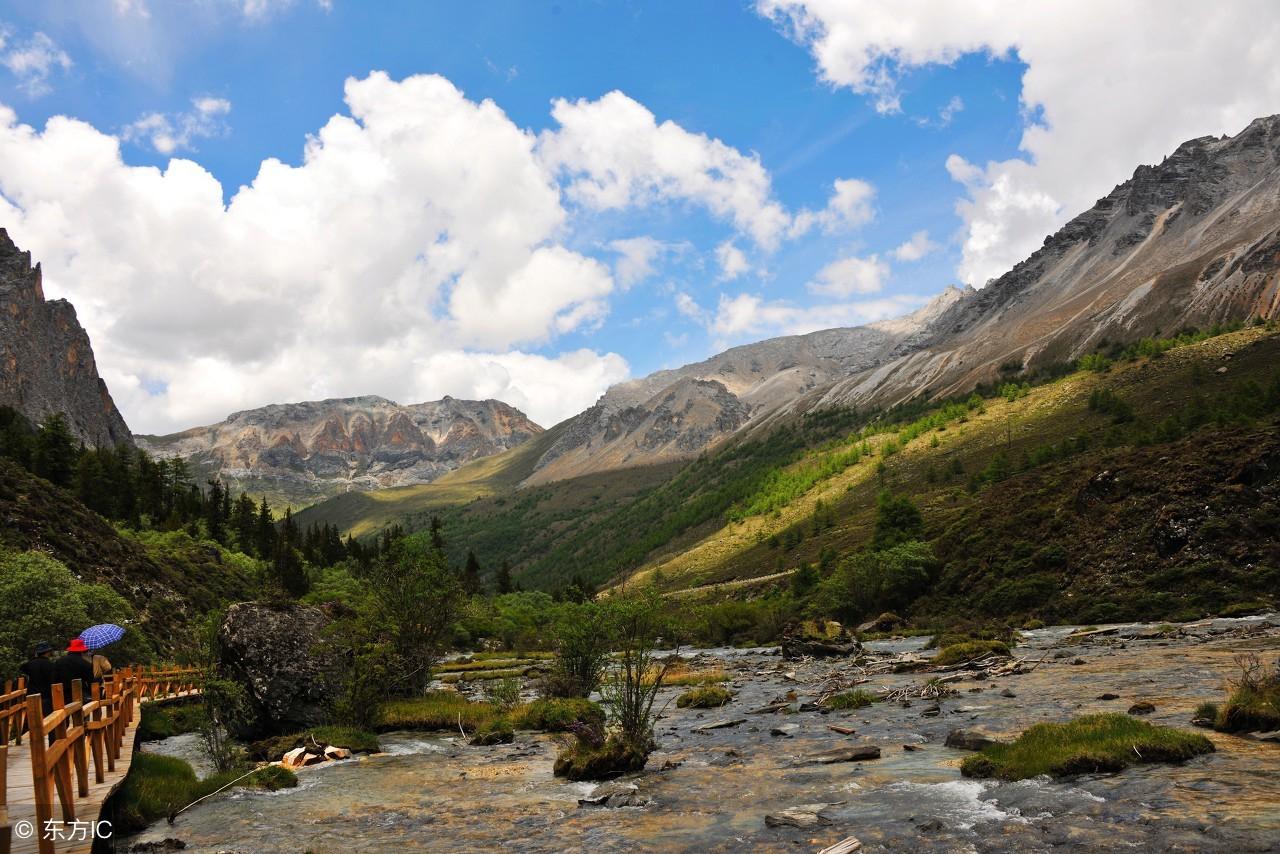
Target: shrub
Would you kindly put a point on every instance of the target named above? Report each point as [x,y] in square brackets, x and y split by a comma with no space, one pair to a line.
[1207,712]
[957,653]
[558,714]
[494,731]
[503,693]
[1088,745]
[855,699]
[582,649]
[872,582]
[1254,702]
[584,761]
[706,697]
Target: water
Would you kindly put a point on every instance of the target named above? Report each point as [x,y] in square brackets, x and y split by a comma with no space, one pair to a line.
[710,791]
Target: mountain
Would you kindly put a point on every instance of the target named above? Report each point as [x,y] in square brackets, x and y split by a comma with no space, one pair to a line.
[46,361]
[676,414]
[1192,241]
[302,452]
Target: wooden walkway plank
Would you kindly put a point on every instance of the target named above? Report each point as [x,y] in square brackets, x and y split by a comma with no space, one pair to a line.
[87,733]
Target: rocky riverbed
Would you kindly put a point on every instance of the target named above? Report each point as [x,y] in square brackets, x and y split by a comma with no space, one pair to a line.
[711,788]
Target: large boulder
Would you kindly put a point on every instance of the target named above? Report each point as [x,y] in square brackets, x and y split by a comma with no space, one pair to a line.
[270,649]
[819,639]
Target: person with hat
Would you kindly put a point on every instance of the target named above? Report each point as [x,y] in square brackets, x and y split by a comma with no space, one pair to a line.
[39,674]
[76,664]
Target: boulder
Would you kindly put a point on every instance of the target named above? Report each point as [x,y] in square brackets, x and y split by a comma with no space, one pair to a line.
[819,639]
[615,795]
[805,815]
[1142,707]
[886,622]
[970,739]
[270,650]
[857,753]
[336,753]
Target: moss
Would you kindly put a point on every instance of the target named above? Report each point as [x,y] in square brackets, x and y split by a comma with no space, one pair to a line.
[704,697]
[855,699]
[157,786]
[958,653]
[495,731]
[583,761]
[554,714]
[164,720]
[1088,745]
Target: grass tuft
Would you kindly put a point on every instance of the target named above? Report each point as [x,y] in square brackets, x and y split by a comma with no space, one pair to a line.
[1088,745]
[958,653]
[704,697]
[855,699]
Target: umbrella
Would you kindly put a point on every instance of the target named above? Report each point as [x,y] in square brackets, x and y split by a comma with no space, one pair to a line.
[105,634]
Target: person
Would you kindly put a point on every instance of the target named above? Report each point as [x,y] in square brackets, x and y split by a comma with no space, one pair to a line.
[72,666]
[39,674]
[101,667]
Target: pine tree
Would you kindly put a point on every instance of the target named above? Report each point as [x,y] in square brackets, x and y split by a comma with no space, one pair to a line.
[437,534]
[471,574]
[265,532]
[503,579]
[55,454]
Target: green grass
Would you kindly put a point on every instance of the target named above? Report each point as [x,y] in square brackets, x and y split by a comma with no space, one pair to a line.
[1088,745]
[164,720]
[487,664]
[704,697]
[437,710]
[855,699]
[556,714]
[1254,702]
[157,786]
[482,675]
[679,676]
[958,653]
[355,740]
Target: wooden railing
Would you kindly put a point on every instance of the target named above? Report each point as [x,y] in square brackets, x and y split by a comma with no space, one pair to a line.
[13,711]
[63,742]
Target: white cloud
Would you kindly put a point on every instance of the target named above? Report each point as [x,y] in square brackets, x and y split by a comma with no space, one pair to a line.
[412,252]
[176,131]
[916,248]
[617,155]
[638,257]
[732,260]
[848,276]
[689,307]
[1107,86]
[33,62]
[749,315]
[850,206]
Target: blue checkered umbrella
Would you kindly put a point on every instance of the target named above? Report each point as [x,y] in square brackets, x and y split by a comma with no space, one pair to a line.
[105,634]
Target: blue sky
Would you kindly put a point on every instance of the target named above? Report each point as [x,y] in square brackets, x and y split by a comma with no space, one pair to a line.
[940,131]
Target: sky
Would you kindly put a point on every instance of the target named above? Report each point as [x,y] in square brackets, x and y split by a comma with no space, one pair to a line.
[261,201]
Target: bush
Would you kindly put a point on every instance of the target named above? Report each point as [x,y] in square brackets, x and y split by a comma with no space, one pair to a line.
[855,699]
[495,731]
[164,720]
[582,649]
[558,714]
[503,693]
[1206,712]
[872,582]
[958,653]
[1254,702]
[706,697]
[1088,745]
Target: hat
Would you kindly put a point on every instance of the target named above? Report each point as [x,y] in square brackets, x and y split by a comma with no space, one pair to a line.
[77,645]
[42,647]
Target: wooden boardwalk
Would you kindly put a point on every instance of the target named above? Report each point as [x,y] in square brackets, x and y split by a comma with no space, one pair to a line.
[61,786]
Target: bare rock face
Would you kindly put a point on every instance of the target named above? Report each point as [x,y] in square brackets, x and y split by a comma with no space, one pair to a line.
[271,651]
[305,451]
[46,361]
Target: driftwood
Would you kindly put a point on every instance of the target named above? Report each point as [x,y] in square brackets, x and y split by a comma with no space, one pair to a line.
[843,730]
[849,845]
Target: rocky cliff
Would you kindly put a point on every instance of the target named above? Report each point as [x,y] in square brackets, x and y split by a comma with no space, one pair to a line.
[46,361]
[301,452]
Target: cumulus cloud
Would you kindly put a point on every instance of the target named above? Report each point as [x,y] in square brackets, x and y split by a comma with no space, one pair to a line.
[916,248]
[638,257]
[751,315]
[412,252]
[847,276]
[33,62]
[617,155]
[167,133]
[732,260]
[1107,86]
[850,206]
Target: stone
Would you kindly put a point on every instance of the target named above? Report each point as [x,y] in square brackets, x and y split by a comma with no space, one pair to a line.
[720,724]
[1007,693]
[1142,707]
[911,748]
[615,795]
[819,639]
[1274,735]
[804,815]
[931,712]
[157,847]
[933,825]
[970,739]
[856,753]
[784,730]
[886,622]
[1077,661]
[336,753]
[1108,696]
[270,650]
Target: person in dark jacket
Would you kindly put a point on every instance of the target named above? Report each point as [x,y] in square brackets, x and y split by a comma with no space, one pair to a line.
[39,674]
[76,664]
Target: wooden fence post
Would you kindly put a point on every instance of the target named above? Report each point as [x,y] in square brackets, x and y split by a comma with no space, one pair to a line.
[40,771]
[77,744]
[95,724]
[62,762]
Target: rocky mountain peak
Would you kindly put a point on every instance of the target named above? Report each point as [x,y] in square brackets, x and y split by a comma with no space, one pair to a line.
[46,360]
